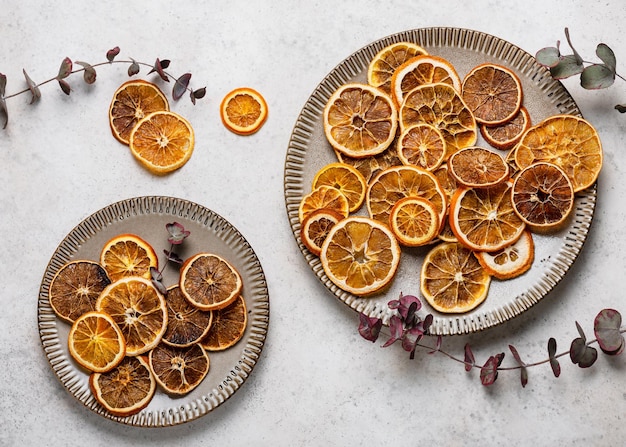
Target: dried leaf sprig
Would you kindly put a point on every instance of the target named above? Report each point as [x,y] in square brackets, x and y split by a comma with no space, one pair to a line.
[593,75]
[409,329]
[67,68]
[177,235]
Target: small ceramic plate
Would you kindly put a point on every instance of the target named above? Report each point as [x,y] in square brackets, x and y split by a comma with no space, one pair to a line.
[309,151]
[147,217]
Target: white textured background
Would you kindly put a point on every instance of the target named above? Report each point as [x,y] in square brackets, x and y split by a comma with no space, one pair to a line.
[317,382]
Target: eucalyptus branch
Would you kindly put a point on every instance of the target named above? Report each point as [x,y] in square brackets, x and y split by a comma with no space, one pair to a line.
[409,329]
[180,87]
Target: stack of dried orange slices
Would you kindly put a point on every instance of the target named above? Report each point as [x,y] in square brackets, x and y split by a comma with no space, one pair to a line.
[408,156]
[130,337]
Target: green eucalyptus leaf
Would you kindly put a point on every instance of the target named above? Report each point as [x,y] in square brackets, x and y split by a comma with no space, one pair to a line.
[607,56]
[597,76]
[34,89]
[548,57]
[133,68]
[579,60]
[567,66]
[90,73]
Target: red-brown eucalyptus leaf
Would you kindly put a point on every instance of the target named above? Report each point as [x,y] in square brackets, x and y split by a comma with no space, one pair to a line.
[582,355]
[65,86]
[489,371]
[469,358]
[32,86]
[180,86]
[112,53]
[90,73]
[65,69]
[554,363]
[4,113]
[369,327]
[606,327]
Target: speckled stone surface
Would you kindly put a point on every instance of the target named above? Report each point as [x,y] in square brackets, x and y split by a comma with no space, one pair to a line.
[317,382]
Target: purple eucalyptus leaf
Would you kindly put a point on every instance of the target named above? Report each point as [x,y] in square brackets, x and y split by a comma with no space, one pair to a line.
[32,86]
[199,93]
[65,86]
[90,73]
[438,343]
[597,76]
[155,274]
[516,355]
[606,327]
[133,68]
[4,112]
[581,332]
[173,257]
[489,371]
[177,233]
[65,69]
[369,327]
[621,108]
[180,86]
[582,355]
[112,53]
[469,358]
[554,363]
[160,287]
[397,330]
[159,66]
[524,376]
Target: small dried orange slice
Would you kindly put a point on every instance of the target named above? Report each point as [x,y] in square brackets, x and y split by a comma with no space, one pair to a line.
[493,93]
[315,228]
[422,145]
[360,120]
[162,142]
[229,325]
[414,221]
[138,309]
[323,197]
[243,111]
[568,141]
[346,178]
[126,389]
[441,106]
[506,135]
[386,61]
[96,342]
[543,196]
[478,167]
[128,255]
[179,370]
[186,324]
[397,182]
[510,261]
[483,219]
[133,101]
[422,70]
[209,282]
[75,288]
[360,255]
[452,280]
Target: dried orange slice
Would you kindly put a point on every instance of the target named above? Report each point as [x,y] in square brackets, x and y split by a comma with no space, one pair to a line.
[568,141]
[162,142]
[397,182]
[386,61]
[360,255]
[506,135]
[126,389]
[422,145]
[315,228]
[347,179]
[493,93]
[138,309]
[243,111]
[422,70]
[229,325]
[452,280]
[186,324]
[209,282]
[483,219]
[543,196]
[324,197]
[179,370]
[127,255]
[75,288]
[414,221]
[360,120]
[478,167]
[441,106]
[96,342]
[510,261]
[133,101]
[370,167]
[449,185]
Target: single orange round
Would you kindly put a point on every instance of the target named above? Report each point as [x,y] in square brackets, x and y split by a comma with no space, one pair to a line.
[323,197]
[229,325]
[315,228]
[511,261]
[133,101]
[186,324]
[96,342]
[243,111]
[505,136]
[347,179]
[386,61]
[422,145]
[128,255]
[414,221]
[179,370]
[478,167]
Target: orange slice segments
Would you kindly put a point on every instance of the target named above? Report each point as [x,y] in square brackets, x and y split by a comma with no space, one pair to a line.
[422,145]
[229,325]
[360,255]
[360,120]
[323,197]
[386,61]
[186,324]
[478,167]
[316,226]
[128,255]
[347,179]
[505,136]
[96,342]
[414,221]
[243,111]
[511,261]
[179,370]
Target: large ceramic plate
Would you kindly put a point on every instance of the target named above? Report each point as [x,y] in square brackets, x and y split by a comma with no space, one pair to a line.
[308,151]
[147,217]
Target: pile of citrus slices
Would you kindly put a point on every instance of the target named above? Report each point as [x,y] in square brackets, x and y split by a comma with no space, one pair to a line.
[411,172]
[130,337]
